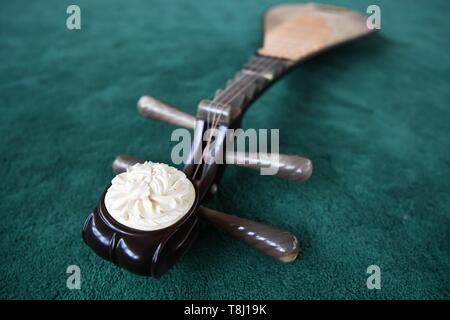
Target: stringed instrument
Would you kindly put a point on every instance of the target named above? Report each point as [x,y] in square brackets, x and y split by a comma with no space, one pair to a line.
[292,33]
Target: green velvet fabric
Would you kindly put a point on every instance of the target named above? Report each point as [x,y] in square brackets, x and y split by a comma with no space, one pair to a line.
[373,116]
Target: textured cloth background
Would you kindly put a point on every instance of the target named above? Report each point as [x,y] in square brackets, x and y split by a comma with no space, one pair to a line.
[373,116]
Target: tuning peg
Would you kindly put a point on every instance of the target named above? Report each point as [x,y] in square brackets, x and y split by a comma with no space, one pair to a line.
[278,244]
[152,108]
[289,166]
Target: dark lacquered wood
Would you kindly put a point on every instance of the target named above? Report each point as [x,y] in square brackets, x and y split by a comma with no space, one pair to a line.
[152,108]
[147,253]
[279,244]
[289,167]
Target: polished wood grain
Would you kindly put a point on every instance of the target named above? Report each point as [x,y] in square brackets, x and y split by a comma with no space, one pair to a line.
[297,32]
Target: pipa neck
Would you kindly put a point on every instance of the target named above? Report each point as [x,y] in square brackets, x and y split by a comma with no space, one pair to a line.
[256,76]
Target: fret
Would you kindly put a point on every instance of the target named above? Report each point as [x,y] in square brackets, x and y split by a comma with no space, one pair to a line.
[256,76]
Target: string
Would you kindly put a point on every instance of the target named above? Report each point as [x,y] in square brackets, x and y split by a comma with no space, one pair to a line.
[216,117]
[224,104]
[228,91]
